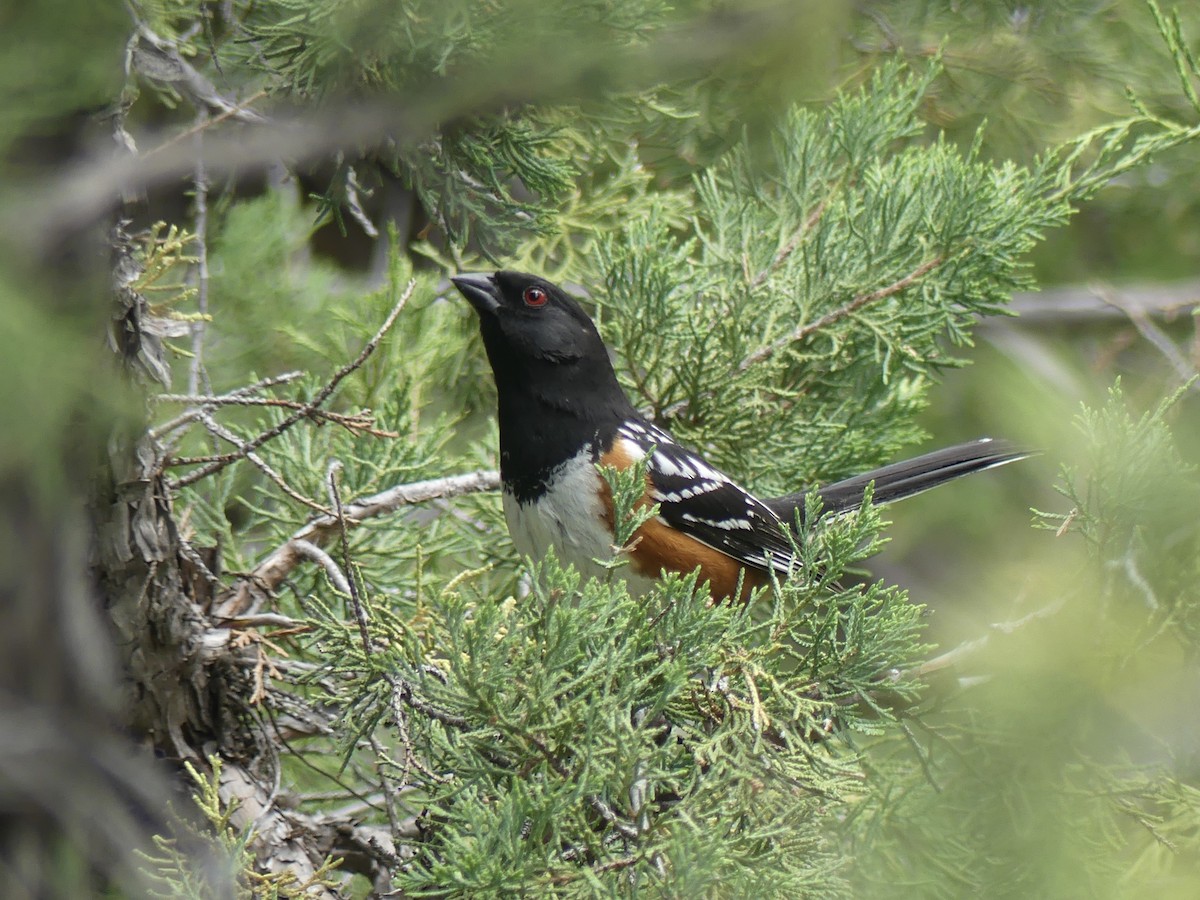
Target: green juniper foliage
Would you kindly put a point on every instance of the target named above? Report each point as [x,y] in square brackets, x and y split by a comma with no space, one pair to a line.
[628,733]
[781,296]
[575,739]
[1139,525]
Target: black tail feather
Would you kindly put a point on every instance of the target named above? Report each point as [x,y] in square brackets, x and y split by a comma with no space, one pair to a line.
[904,479]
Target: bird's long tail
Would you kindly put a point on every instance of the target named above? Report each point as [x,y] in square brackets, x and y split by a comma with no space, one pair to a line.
[905,479]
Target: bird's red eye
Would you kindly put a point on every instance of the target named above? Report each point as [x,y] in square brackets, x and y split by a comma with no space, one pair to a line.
[534,296]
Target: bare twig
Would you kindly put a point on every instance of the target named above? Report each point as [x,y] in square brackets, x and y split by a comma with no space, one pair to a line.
[970,648]
[206,403]
[271,572]
[79,194]
[1154,335]
[200,189]
[404,693]
[411,761]
[354,204]
[309,408]
[388,791]
[173,461]
[236,111]
[361,422]
[158,60]
[311,551]
[268,620]
[218,430]
[1093,302]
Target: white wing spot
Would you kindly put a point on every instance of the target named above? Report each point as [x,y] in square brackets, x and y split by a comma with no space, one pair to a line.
[707,471]
[724,524]
[634,449]
[668,466]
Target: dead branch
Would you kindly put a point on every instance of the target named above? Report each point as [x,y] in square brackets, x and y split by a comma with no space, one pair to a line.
[196,370]
[970,648]
[354,422]
[217,430]
[270,573]
[1155,336]
[158,60]
[84,191]
[309,408]
[206,404]
[311,551]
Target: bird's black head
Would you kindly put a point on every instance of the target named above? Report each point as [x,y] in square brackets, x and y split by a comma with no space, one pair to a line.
[527,321]
[555,384]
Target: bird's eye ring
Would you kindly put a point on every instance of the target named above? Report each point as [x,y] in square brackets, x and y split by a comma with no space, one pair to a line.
[535,296]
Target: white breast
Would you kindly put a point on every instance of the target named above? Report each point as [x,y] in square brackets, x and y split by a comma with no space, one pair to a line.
[570,518]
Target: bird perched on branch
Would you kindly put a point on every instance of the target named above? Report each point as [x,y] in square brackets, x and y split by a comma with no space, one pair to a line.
[563,414]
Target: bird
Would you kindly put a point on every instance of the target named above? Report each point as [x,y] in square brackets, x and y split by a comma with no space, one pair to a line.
[563,415]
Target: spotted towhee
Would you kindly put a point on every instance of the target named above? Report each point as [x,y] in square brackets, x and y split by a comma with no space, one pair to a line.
[562,414]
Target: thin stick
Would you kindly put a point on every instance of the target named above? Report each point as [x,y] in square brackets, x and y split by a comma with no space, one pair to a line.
[326,562]
[322,396]
[207,402]
[200,183]
[360,613]
[971,647]
[278,564]
[217,430]
[239,111]
[1154,335]
[356,422]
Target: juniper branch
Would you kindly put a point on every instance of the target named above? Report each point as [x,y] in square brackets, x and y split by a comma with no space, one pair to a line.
[271,572]
[309,408]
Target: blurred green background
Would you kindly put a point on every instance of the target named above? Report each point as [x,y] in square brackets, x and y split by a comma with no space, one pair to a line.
[1095,676]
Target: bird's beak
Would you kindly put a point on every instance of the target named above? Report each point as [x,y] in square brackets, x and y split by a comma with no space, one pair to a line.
[480,289]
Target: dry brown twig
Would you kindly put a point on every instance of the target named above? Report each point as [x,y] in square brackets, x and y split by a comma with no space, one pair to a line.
[207,404]
[360,422]
[277,565]
[217,430]
[308,409]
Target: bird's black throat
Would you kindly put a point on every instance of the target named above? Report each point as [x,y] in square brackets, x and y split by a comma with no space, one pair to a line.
[548,411]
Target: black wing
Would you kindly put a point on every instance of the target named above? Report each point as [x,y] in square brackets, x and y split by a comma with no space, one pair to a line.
[705,504]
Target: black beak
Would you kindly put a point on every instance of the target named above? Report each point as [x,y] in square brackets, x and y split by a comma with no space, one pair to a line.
[480,289]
